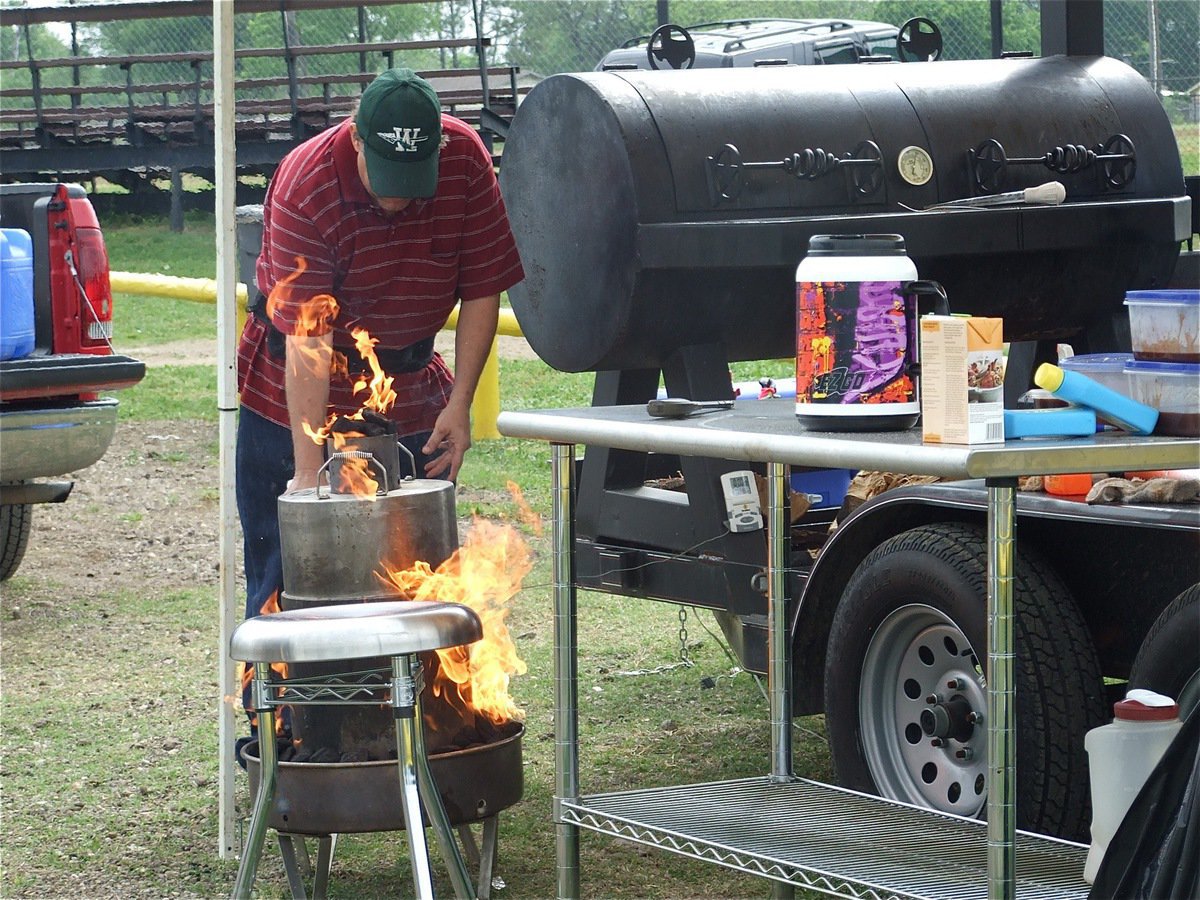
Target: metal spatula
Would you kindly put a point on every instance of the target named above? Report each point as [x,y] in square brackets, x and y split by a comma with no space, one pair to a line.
[679,408]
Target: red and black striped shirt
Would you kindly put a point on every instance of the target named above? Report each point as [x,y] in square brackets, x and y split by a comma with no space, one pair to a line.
[396,276]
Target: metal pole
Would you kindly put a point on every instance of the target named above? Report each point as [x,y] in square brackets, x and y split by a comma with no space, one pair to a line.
[566,688]
[779,674]
[997,16]
[1001,691]
[227,404]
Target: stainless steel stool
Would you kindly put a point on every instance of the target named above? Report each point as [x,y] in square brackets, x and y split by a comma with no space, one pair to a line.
[399,630]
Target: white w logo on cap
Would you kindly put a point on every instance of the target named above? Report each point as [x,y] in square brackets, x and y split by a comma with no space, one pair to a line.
[404,140]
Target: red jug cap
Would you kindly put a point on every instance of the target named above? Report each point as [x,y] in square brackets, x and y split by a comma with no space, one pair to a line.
[1146,706]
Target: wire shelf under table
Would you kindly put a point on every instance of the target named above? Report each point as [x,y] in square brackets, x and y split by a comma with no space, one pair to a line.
[829,839]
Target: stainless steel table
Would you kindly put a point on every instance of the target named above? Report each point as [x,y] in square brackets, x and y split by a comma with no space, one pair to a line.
[860,846]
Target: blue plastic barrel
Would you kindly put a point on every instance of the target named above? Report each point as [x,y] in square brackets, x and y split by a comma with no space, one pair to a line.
[16,293]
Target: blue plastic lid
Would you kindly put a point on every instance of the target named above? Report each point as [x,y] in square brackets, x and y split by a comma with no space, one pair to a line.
[1148,367]
[1096,362]
[1186,297]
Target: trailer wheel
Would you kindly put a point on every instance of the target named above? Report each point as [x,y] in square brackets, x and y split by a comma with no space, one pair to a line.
[1169,659]
[15,521]
[905,694]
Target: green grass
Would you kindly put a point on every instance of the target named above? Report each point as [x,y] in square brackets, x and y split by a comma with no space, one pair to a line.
[1187,135]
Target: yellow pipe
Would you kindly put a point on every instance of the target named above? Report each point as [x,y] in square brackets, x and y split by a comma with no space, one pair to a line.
[484,409]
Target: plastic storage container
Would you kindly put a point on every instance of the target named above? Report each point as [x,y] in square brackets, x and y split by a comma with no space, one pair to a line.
[1106,368]
[1171,388]
[825,488]
[1165,325]
[16,293]
[1121,757]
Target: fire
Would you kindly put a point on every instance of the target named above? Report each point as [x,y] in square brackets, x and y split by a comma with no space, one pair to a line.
[245,673]
[356,476]
[524,512]
[484,574]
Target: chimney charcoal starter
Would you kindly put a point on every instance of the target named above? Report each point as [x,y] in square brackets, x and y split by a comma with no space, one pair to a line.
[659,211]
[340,775]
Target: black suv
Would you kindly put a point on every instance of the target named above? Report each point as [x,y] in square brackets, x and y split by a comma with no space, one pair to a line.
[756,42]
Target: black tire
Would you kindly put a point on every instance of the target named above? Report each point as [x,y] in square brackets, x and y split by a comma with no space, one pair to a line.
[15,521]
[1169,659]
[911,620]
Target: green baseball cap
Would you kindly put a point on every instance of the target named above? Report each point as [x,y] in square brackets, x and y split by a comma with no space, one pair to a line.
[399,122]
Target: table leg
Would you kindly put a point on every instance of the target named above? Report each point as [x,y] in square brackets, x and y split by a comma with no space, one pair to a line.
[1001,690]
[566,689]
[779,670]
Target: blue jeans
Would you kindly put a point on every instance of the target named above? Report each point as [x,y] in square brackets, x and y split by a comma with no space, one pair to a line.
[264,465]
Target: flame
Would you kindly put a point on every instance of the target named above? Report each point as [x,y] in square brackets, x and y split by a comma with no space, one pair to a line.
[484,574]
[525,513]
[245,673]
[356,476]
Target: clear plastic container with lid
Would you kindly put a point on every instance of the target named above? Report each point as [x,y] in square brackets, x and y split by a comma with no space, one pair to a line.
[1164,326]
[1171,388]
[1121,757]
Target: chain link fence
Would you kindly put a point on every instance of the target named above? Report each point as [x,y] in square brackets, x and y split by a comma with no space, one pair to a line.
[1159,38]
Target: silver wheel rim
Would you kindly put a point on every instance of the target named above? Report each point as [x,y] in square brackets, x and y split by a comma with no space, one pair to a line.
[920,662]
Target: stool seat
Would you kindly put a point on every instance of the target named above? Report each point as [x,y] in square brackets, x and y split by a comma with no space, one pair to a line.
[354,631]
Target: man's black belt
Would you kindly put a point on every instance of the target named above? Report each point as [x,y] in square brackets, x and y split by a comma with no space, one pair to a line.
[412,358]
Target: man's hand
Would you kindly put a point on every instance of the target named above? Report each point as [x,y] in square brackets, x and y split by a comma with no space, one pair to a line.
[450,441]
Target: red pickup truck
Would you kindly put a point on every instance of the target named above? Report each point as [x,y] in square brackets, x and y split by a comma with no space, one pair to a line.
[53,421]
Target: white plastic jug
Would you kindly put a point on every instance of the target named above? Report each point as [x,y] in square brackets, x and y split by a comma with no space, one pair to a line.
[1121,757]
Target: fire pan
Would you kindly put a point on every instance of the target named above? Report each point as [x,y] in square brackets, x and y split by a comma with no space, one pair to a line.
[319,799]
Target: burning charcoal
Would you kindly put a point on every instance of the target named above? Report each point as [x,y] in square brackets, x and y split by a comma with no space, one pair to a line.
[301,754]
[354,756]
[355,427]
[324,755]
[374,418]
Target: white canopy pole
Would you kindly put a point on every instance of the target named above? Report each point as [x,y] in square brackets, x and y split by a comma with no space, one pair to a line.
[226,177]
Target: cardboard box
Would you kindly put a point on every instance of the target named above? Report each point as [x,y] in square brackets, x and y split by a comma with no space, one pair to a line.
[962,380]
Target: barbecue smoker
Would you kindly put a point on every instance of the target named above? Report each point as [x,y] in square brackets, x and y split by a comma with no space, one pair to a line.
[661,216]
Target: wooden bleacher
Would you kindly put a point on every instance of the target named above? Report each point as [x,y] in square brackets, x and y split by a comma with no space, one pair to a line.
[143,123]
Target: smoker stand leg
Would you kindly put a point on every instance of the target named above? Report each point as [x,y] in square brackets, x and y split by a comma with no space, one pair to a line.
[484,856]
[298,865]
[325,848]
[248,867]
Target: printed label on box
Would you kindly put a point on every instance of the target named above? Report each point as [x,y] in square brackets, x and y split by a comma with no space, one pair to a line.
[962,380]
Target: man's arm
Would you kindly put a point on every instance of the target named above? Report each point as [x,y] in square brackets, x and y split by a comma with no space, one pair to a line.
[308,361]
[472,344]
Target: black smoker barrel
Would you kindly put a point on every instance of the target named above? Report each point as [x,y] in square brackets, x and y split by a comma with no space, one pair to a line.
[658,210]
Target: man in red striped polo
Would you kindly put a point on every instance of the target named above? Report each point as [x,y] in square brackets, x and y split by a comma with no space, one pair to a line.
[397,215]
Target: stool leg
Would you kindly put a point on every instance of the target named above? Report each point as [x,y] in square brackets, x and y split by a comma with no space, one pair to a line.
[248,867]
[407,727]
[460,877]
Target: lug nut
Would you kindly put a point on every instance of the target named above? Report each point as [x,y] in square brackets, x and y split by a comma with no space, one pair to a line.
[936,742]
[964,753]
[932,699]
[974,717]
[955,684]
